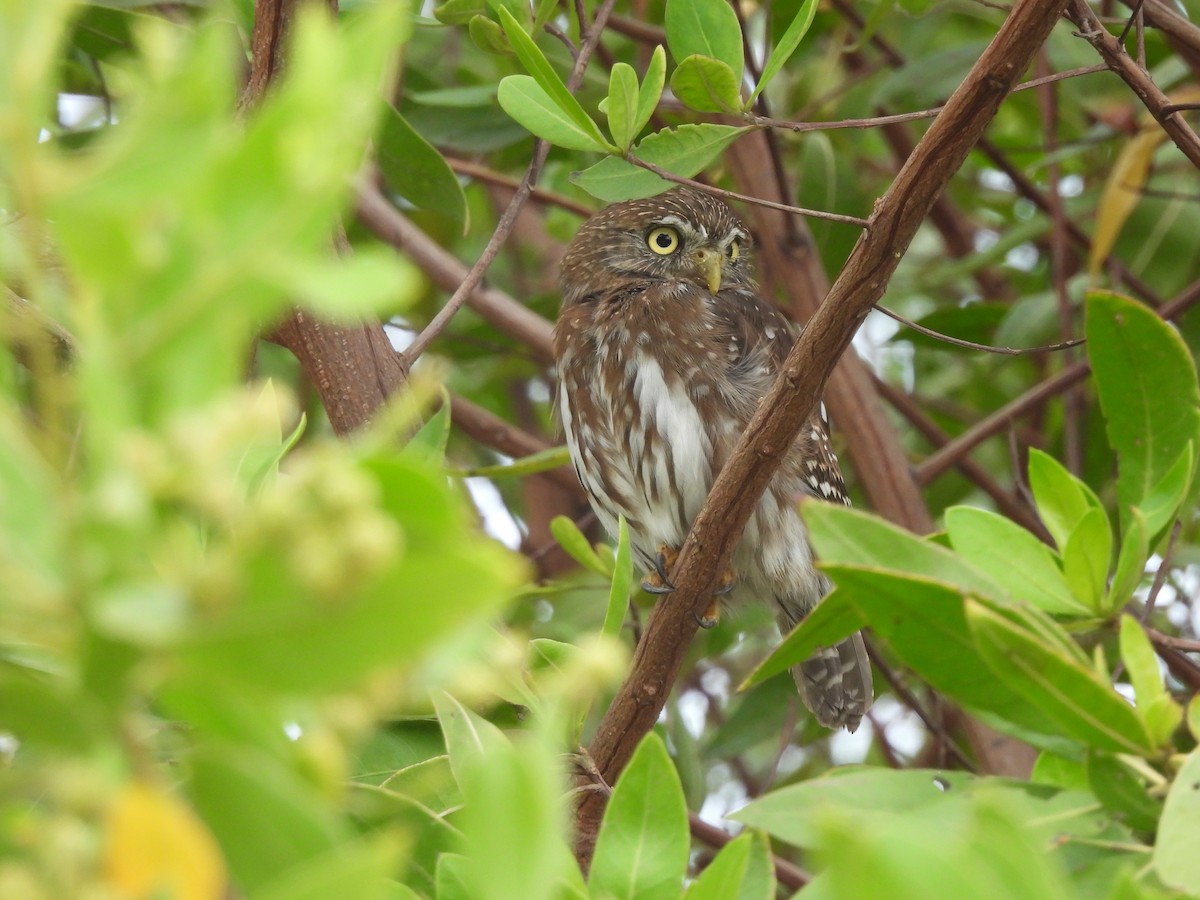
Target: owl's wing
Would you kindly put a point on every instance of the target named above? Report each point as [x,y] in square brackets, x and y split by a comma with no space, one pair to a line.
[763,337]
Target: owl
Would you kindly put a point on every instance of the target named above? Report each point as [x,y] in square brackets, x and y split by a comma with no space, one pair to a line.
[663,351]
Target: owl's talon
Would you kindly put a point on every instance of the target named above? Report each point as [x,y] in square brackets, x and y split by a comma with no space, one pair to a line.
[725,583]
[659,581]
[711,615]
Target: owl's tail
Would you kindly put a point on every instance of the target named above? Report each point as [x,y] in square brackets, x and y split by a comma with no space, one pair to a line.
[835,683]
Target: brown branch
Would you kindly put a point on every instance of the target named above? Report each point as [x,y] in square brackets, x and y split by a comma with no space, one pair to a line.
[493,431]
[972,345]
[786,873]
[1139,81]
[538,194]
[448,272]
[793,398]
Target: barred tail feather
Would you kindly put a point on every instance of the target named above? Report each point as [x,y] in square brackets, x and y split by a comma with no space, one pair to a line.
[835,683]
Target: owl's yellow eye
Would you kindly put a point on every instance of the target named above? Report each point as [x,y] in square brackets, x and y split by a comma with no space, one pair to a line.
[733,250]
[663,240]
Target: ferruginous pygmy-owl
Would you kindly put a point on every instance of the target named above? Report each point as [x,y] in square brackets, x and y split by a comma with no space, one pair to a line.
[664,348]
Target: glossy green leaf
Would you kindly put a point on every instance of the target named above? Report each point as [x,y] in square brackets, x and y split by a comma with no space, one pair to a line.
[526,102]
[1062,499]
[707,85]
[834,618]
[547,79]
[622,583]
[413,168]
[1146,380]
[1084,706]
[1086,557]
[844,535]
[429,443]
[459,12]
[452,879]
[706,28]
[651,90]
[924,624]
[787,44]
[468,737]
[642,848]
[1158,707]
[683,151]
[993,544]
[1175,856]
[572,540]
[622,105]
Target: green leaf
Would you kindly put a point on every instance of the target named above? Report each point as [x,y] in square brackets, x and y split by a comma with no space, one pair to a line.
[651,90]
[488,36]
[468,736]
[1146,380]
[1086,557]
[266,820]
[1175,857]
[846,536]
[1161,505]
[642,848]
[1013,557]
[526,102]
[622,105]
[683,151]
[452,878]
[706,28]
[459,12]
[787,45]
[1062,499]
[707,85]
[413,168]
[371,280]
[834,618]
[547,79]
[360,869]
[1073,695]
[924,624]
[1131,561]
[542,461]
[513,821]
[571,539]
[1121,792]
[428,445]
[723,877]
[622,583]
[1158,707]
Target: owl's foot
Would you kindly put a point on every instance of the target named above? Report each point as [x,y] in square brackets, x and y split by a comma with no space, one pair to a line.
[712,614]
[658,581]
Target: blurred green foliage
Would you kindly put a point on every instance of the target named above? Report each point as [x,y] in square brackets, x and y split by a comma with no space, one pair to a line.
[239,658]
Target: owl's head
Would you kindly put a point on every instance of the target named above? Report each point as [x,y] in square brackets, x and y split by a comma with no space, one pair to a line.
[683,235]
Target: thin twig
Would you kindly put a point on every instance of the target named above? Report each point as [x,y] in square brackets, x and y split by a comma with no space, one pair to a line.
[1187,645]
[538,194]
[869,122]
[745,198]
[1160,576]
[509,219]
[910,700]
[786,873]
[971,345]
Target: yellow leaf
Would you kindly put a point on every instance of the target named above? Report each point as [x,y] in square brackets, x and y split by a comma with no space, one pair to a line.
[157,847]
[1128,177]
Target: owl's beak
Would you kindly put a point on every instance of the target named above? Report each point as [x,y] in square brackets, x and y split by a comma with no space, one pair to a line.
[709,263]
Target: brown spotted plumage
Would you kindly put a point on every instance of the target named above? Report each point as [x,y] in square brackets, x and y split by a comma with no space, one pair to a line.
[664,349]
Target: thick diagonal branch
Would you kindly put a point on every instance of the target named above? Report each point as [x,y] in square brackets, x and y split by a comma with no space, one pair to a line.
[710,544]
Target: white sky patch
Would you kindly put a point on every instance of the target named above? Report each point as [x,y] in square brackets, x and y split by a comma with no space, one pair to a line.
[399,336]
[846,748]
[497,520]
[693,711]
[725,794]
[293,730]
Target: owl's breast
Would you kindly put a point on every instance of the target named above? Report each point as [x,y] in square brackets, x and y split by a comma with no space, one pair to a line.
[636,395]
